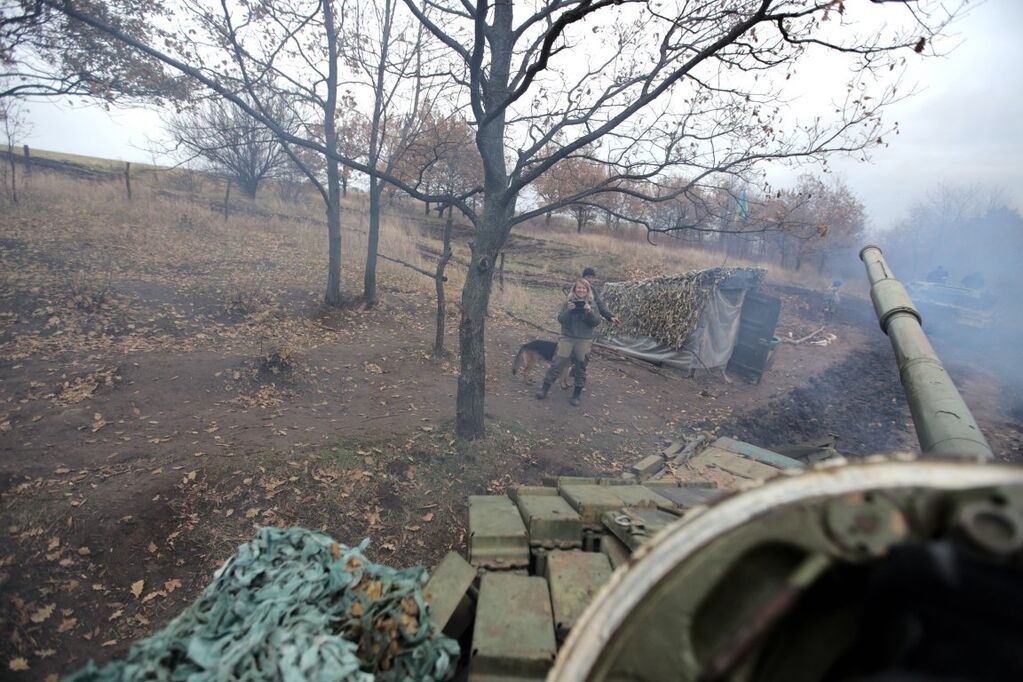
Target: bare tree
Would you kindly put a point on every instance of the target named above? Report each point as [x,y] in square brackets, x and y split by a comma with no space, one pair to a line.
[231,141]
[385,46]
[15,125]
[437,159]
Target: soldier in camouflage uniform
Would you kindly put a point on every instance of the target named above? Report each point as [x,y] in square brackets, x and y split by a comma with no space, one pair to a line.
[578,319]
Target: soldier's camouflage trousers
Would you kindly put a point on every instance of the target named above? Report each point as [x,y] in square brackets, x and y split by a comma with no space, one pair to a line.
[575,351]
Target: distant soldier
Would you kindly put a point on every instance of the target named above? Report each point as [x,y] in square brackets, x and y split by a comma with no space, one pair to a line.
[938,275]
[832,299]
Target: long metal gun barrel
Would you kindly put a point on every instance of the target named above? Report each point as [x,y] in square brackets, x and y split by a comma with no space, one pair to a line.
[943,423]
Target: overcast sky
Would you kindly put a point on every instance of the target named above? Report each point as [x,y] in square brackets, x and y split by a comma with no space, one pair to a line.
[965,125]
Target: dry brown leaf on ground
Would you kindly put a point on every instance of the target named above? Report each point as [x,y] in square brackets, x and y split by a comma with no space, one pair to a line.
[137,587]
[153,595]
[18,665]
[42,614]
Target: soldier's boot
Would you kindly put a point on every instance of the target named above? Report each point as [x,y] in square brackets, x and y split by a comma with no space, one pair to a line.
[542,393]
[576,393]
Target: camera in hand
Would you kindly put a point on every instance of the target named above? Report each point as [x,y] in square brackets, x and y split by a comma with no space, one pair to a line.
[579,303]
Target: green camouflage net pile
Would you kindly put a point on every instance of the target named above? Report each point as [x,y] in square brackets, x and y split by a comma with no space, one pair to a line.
[294,605]
[668,308]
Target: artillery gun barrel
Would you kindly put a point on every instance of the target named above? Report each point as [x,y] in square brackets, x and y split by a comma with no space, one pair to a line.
[943,423]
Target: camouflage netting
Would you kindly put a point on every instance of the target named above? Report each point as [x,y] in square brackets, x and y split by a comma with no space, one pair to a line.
[668,308]
[295,605]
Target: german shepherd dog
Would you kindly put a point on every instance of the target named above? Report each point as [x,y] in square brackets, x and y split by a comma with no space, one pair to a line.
[530,354]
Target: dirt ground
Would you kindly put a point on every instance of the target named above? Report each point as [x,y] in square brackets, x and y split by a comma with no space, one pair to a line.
[145,435]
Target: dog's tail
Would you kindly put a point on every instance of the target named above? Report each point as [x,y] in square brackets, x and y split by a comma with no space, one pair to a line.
[517,364]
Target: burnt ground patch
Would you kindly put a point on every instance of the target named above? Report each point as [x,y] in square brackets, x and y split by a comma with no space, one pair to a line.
[859,400]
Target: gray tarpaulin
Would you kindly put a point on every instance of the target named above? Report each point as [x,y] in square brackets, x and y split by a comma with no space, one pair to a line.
[709,346]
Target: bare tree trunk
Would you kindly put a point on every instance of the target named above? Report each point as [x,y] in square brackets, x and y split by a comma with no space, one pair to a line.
[438,342]
[472,376]
[426,209]
[491,233]
[369,280]
[14,171]
[492,228]
[332,296]
[227,199]
[28,161]
[127,178]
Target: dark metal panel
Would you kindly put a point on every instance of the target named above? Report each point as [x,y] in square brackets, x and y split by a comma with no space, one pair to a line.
[756,330]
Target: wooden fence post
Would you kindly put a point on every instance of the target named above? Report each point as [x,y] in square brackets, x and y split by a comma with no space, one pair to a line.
[227,197]
[127,178]
[28,160]
[14,173]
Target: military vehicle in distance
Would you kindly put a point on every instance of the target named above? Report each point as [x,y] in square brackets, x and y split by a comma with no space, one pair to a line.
[744,564]
[949,305]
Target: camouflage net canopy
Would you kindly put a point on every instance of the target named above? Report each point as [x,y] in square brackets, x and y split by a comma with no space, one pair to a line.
[295,605]
[668,308]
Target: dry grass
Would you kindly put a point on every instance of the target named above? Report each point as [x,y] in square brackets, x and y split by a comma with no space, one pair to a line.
[263,244]
[101,272]
[616,257]
[272,251]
